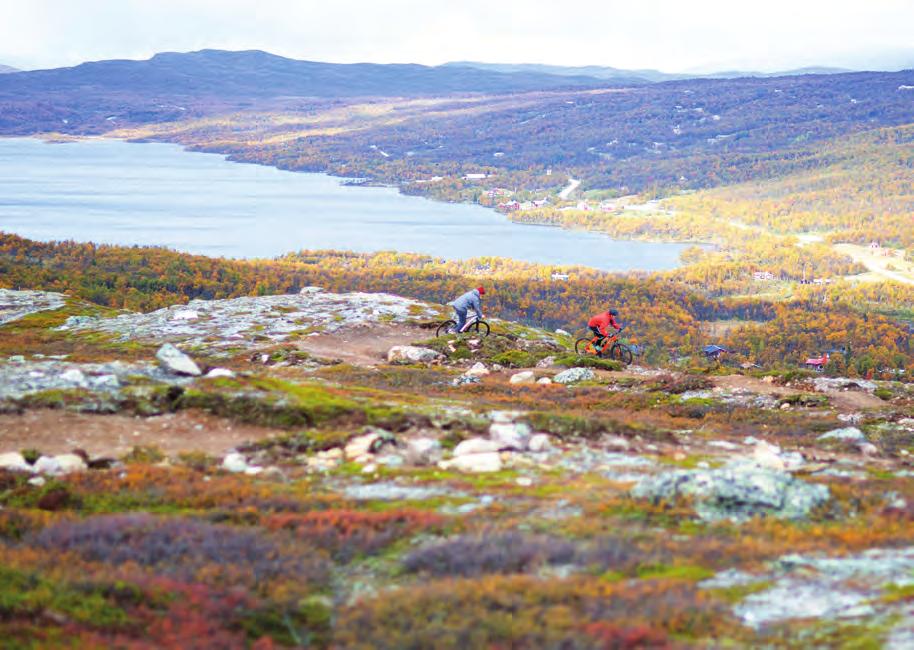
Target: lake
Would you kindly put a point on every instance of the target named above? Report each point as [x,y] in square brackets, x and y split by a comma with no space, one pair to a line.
[114,192]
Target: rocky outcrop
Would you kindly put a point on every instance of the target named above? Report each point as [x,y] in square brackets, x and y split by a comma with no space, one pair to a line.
[523,377]
[17,304]
[847,434]
[737,491]
[227,323]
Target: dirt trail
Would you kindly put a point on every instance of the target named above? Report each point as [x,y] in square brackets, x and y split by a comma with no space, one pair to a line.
[362,346]
[843,400]
[56,432]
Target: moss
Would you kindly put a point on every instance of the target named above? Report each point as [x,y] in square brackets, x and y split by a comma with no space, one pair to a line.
[515,359]
[26,594]
[577,361]
[736,594]
[884,394]
[689,572]
[898,593]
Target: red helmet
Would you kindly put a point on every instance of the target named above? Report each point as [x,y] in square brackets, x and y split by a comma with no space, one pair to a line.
[481,290]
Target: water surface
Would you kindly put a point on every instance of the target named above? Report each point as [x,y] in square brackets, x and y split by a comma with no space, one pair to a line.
[114,192]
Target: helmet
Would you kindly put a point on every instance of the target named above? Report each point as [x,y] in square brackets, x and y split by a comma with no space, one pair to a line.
[612,312]
[481,290]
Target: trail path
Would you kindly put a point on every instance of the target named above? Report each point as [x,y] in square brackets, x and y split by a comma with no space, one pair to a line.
[362,346]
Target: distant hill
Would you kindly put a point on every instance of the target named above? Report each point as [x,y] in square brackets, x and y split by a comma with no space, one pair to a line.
[6,69]
[633,76]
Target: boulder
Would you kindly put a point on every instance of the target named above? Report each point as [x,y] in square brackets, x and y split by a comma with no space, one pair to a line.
[360,448]
[737,491]
[547,362]
[73,376]
[544,381]
[847,434]
[185,314]
[523,377]
[475,446]
[423,451]
[411,354]
[235,463]
[176,362]
[60,465]
[539,443]
[220,372]
[474,463]
[513,435]
[323,461]
[574,375]
[14,462]
[477,370]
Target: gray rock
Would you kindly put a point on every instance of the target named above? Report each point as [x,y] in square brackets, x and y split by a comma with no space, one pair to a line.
[477,370]
[475,446]
[394,492]
[411,354]
[423,451]
[14,462]
[474,463]
[737,491]
[220,372]
[513,435]
[17,304]
[60,465]
[574,375]
[173,360]
[847,434]
[825,384]
[548,362]
[523,377]
[539,443]
[235,463]
[791,599]
[464,380]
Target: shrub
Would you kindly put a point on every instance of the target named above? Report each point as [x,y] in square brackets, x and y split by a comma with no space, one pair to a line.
[182,548]
[473,555]
[515,359]
[348,533]
[674,385]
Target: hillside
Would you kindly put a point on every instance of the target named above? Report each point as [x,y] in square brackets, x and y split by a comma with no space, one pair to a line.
[6,69]
[302,494]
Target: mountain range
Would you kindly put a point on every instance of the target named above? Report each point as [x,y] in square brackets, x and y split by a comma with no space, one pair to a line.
[6,69]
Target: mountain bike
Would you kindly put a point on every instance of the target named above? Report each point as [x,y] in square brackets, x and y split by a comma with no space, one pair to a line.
[605,346]
[473,324]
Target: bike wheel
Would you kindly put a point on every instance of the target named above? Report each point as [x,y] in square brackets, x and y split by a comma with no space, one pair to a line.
[446,328]
[623,353]
[481,327]
[585,346]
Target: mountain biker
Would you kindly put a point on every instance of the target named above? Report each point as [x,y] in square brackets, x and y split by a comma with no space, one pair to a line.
[601,323]
[469,300]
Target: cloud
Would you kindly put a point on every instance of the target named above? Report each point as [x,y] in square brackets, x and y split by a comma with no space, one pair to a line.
[668,34]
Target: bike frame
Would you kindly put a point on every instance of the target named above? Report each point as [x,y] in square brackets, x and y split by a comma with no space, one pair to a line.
[607,341]
[472,319]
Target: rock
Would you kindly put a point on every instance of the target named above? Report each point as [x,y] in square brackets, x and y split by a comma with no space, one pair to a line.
[273,473]
[524,481]
[562,332]
[16,358]
[847,434]
[616,442]
[867,448]
[323,461]
[723,444]
[472,446]
[60,464]
[794,599]
[411,354]
[464,380]
[252,470]
[185,314]
[220,372]
[477,370]
[360,448]
[423,451]
[544,381]
[173,360]
[14,462]
[736,491]
[514,435]
[825,384]
[539,443]
[310,291]
[523,377]
[37,481]
[73,376]
[547,362]
[574,375]
[235,463]
[785,406]
[474,463]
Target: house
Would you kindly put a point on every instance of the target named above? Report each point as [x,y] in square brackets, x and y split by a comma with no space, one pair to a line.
[498,191]
[763,275]
[509,206]
[715,352]
[540,203]
[817,364]
[559,276]
[526,205]
[583,205]
[474,177]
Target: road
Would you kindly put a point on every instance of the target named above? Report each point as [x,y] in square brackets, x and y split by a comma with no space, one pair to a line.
[573,184]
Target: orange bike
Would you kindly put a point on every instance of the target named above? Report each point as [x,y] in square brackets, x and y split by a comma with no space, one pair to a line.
[605,346]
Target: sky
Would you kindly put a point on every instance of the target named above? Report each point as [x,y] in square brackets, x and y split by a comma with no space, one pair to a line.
[669,35]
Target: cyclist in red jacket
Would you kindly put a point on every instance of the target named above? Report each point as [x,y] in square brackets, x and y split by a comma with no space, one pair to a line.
[601,323]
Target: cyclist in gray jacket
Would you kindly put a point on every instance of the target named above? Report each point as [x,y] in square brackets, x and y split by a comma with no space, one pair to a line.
[469,300]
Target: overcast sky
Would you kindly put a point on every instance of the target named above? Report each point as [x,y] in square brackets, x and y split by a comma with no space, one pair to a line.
[671,35]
